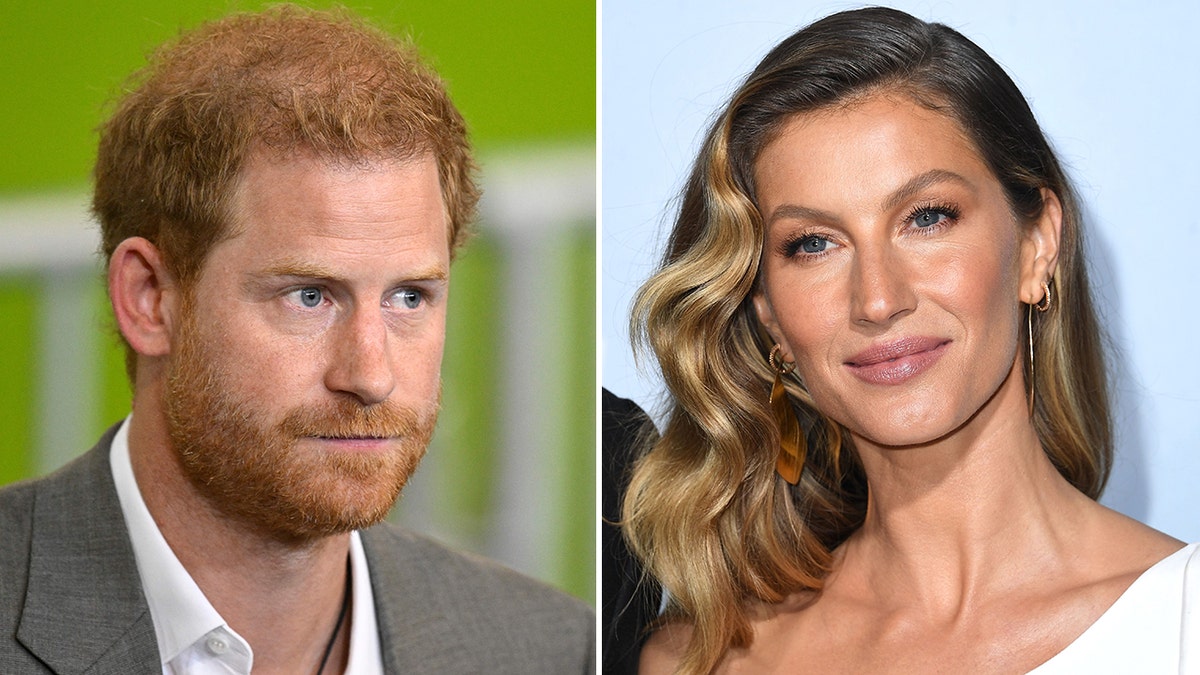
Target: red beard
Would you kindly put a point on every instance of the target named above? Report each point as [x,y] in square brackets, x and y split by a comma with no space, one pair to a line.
[254,471]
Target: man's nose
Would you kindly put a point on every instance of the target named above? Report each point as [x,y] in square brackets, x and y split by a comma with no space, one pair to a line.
[362,365]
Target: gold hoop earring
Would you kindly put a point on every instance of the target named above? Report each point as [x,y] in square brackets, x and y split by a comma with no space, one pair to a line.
[792,446]
[1029,330]
[1044,303]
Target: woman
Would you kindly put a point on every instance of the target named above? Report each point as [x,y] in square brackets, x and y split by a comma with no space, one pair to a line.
[890,421]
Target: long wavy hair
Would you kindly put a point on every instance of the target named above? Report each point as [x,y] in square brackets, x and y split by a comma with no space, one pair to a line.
[705,509]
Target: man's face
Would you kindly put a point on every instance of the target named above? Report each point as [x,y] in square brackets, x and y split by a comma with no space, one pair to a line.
[304,376]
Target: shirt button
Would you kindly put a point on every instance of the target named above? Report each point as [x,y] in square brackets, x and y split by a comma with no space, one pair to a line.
[216,646]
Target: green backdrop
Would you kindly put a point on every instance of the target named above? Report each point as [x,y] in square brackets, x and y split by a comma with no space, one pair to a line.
[523,75]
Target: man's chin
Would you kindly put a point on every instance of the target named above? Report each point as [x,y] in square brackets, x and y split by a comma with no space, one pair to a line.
[301,491]
[307,518]
[333,519]
[349,491]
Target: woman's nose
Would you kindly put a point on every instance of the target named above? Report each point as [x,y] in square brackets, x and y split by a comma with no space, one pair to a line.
[882,289]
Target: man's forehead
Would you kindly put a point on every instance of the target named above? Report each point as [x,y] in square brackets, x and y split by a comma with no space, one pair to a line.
[300,182]
[304,184]
[305,213]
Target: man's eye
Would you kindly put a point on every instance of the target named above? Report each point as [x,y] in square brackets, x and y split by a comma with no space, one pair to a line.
[410,298]
[310,297]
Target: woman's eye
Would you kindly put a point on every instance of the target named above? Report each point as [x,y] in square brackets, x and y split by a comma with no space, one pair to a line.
[410,298]
[929,217]
[310,297]
[813,244]
[810,244]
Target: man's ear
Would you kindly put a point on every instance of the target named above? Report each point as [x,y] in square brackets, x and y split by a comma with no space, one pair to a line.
[144,296]
[1039,249]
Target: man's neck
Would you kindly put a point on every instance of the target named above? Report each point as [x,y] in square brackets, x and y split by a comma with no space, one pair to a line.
[284,598]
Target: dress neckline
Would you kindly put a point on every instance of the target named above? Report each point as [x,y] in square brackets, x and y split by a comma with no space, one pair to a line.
[1114,611]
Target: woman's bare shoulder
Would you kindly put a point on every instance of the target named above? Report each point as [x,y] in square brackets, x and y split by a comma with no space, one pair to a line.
[1127,541]
[664,650]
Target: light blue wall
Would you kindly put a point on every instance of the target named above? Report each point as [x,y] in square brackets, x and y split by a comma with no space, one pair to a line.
[1115,85]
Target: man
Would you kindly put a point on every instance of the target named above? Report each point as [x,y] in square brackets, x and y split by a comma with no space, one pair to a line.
[280,198]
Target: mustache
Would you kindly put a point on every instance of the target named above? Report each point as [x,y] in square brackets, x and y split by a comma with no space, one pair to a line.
[347,419]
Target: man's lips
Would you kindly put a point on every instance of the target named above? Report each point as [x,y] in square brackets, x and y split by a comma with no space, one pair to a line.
[356,443]
[896,361]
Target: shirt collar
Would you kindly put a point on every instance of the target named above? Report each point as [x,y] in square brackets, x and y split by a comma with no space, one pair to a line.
[366,658]
[182,614]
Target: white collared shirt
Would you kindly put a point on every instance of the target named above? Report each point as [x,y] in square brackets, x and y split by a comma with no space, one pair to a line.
[192,637]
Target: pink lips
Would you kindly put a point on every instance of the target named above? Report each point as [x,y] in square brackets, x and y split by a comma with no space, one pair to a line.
[897,361]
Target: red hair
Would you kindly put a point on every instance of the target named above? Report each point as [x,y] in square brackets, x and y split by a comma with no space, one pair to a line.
[285,80]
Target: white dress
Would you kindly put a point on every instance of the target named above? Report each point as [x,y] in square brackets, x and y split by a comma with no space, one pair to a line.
[1154,627]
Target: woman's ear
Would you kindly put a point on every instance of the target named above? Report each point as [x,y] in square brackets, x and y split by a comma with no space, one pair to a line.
[1039,249]
[766,316]
[144,296]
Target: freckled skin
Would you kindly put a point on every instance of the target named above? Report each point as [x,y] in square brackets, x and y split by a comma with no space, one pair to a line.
[305,378]
[370,231]
[882,277]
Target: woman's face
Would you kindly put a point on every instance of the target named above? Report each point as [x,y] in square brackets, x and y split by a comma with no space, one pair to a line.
[893,269]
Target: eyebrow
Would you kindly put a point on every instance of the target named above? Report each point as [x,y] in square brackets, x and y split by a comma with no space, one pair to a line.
[913,186]
[304,270]
[794,212]
[920,182]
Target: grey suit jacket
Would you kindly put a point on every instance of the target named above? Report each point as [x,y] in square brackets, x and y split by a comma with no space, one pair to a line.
[71,600]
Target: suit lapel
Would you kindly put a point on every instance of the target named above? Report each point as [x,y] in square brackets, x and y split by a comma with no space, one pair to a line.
[84,608]
[413,626]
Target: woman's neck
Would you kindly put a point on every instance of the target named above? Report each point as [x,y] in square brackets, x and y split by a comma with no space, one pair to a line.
[951,521]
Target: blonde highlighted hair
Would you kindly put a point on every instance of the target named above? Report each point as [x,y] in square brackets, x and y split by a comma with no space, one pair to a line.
[705,509]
